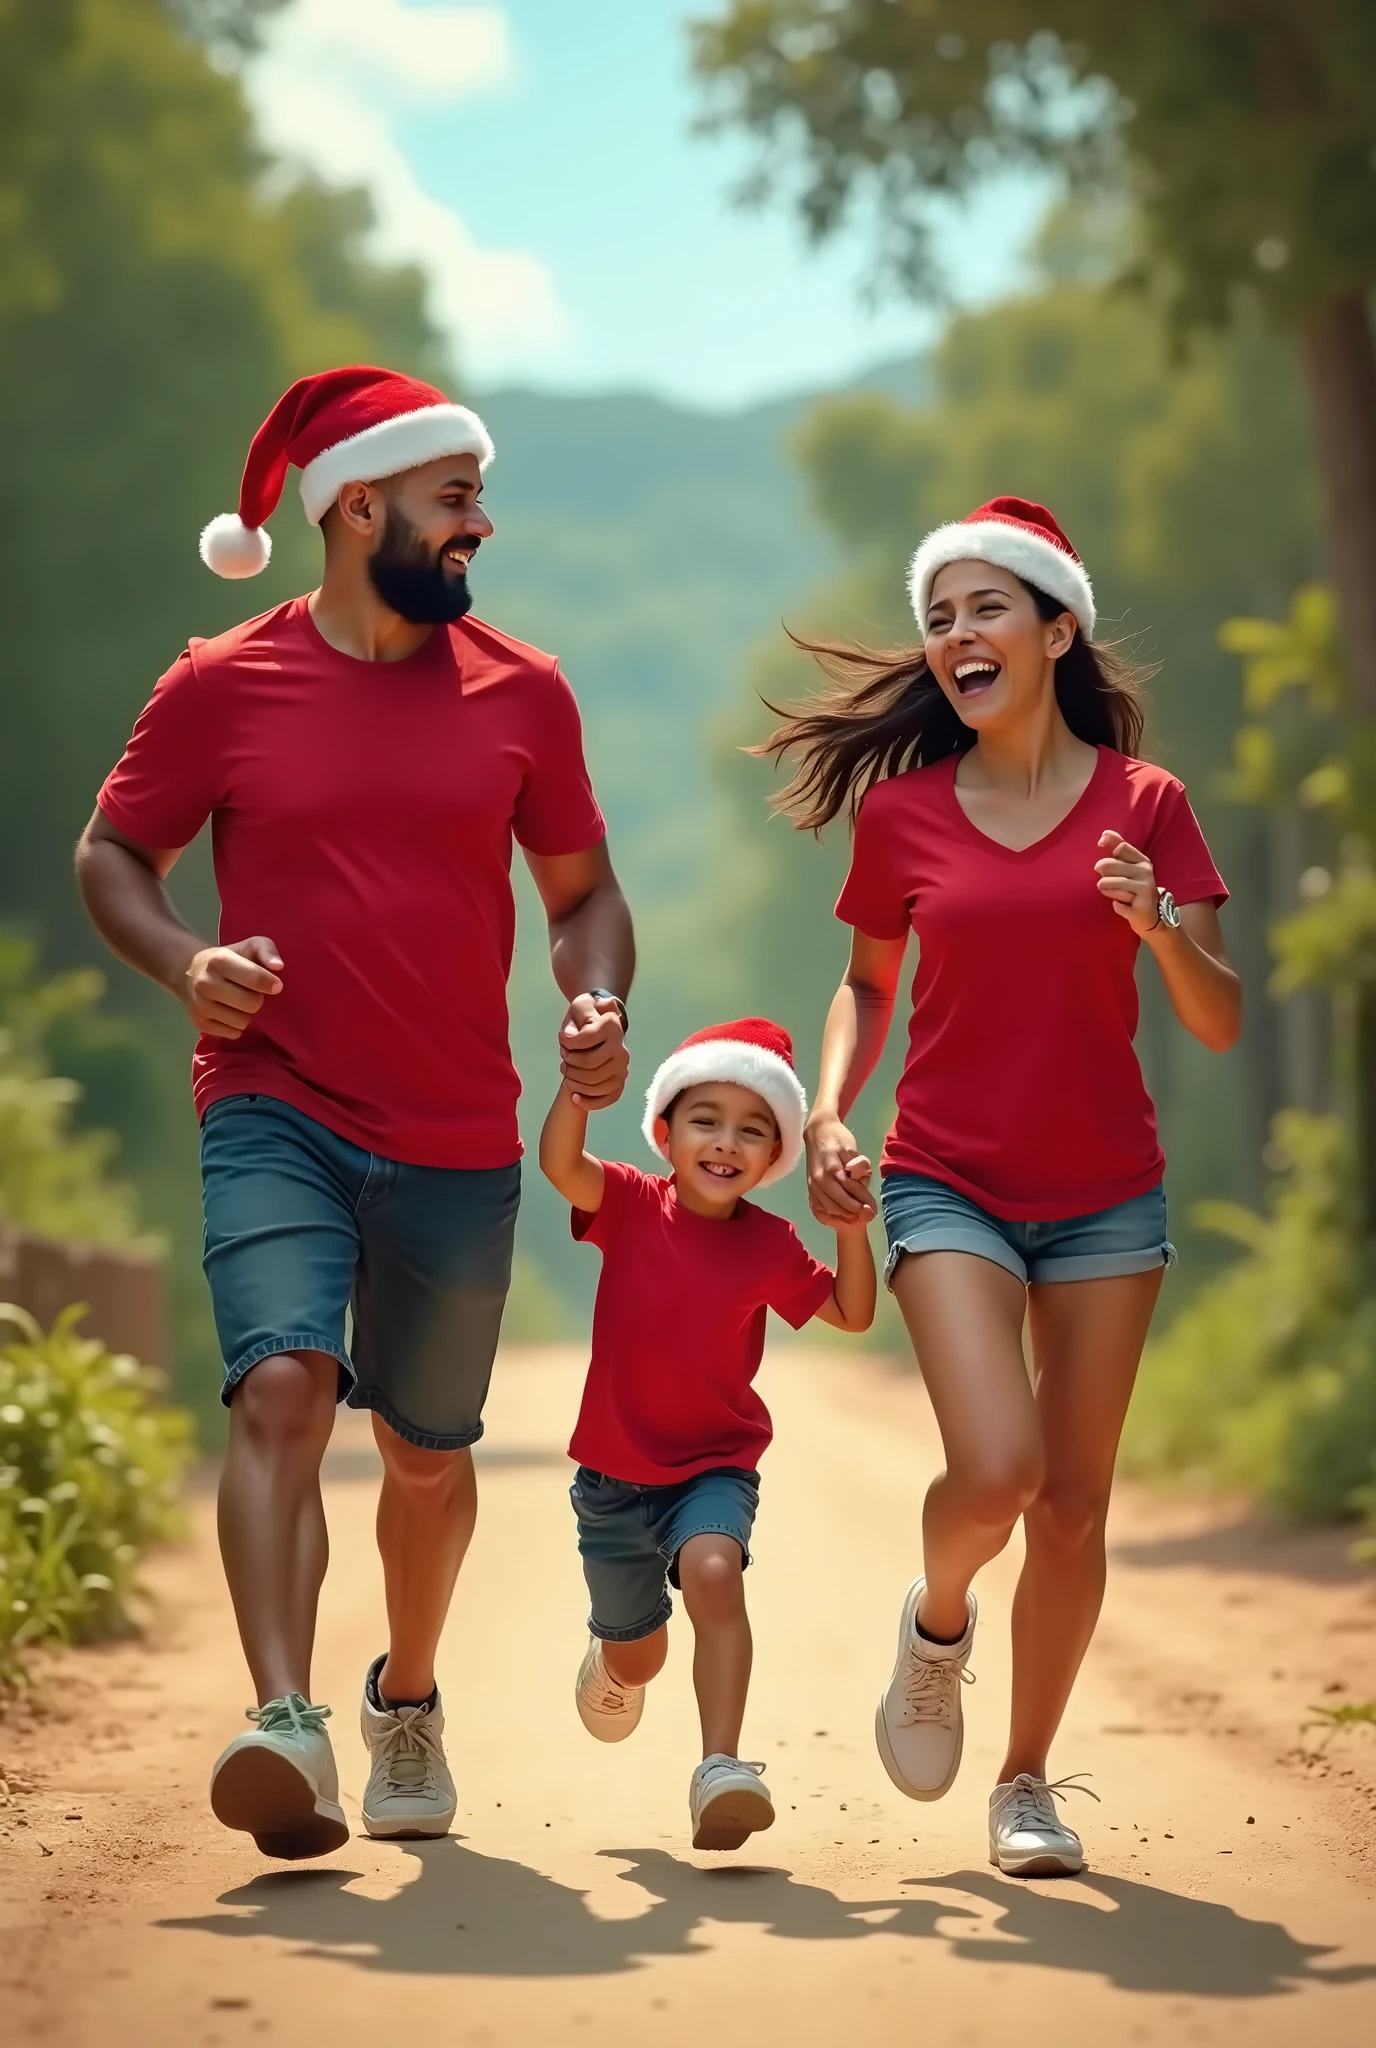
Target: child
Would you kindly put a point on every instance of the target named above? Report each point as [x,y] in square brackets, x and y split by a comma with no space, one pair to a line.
[671,1430]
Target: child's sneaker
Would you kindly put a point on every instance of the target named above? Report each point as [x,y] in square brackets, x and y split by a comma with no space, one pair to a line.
[1027,1837]
[918,1723]
[728,1801]
[410,1793]
[279,1782]
[607,1710]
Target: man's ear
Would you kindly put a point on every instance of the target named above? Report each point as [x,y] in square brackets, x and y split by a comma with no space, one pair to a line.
[360,509]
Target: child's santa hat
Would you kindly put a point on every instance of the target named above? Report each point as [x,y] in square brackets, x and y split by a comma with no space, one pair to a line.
[341,427]
[1014,534]
[754,1054]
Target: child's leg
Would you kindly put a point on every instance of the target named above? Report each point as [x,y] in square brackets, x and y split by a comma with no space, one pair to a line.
[710,1569]
[636,1663]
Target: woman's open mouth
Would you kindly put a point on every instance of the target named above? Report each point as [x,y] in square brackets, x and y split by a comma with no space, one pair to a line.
[976,675]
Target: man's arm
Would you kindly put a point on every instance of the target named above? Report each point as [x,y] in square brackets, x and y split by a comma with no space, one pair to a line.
[591,945]
[220,987]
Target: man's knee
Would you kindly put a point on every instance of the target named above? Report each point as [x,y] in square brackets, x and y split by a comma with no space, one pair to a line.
[430,1474]
[288,1399]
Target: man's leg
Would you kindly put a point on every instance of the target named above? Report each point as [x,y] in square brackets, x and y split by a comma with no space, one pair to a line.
[425,1517]
[271,1520]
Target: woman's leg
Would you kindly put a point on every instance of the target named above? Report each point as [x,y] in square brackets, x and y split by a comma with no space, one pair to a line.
[1087,1338]
[964,1315]
[711,1572]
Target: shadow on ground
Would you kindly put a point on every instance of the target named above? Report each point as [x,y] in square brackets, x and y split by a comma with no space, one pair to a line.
[470,1915]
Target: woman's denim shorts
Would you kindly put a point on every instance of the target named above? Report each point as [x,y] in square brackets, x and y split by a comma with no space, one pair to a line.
[630,1536]
[923,1215]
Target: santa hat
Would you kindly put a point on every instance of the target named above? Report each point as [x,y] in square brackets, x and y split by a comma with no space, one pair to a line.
[1014,534]
[754,1054]
[340,427]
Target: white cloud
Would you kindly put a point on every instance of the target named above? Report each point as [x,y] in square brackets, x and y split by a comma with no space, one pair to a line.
[328,92]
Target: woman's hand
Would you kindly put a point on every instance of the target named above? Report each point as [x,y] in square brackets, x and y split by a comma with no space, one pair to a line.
[837,1199]
[1128,879]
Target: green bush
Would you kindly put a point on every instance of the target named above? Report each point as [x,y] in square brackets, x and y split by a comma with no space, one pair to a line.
[89,1473]
[1266,1380]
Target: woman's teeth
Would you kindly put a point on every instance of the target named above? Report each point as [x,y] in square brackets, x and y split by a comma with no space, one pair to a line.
[972,675]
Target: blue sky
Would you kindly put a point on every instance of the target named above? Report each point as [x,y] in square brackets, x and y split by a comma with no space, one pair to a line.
[537,157]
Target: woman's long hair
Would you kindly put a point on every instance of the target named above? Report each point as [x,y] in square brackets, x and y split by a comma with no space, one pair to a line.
[883,710]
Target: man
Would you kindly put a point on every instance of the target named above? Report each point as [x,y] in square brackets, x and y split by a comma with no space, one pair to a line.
[365,756]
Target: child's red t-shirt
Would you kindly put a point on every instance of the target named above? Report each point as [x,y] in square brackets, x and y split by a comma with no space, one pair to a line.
[678,1330]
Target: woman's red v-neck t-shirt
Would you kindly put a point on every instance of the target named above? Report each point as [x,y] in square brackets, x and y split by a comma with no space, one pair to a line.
[1021,1087]
[362,815]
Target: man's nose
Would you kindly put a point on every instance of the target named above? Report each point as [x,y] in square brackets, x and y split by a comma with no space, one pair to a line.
[477,523]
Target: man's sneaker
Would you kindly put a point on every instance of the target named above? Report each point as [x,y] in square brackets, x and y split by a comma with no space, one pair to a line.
[279,1783]
[607,1710]
[728,1802]
[410,1795]
[918,1723]
[1027,1837]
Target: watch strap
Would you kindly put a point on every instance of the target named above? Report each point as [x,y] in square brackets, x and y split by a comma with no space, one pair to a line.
[609,995]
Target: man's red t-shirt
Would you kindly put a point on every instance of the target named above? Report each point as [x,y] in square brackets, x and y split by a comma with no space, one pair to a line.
[362,815]
[678,1330]
[1021,1087]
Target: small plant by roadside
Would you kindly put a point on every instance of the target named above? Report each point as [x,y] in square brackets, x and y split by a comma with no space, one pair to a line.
[90,1467]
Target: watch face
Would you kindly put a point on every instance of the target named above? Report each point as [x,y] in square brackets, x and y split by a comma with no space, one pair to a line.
[1170,910]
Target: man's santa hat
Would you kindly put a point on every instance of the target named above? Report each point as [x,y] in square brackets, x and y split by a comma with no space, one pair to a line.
[1014,534]
[340,427]
[753,1053]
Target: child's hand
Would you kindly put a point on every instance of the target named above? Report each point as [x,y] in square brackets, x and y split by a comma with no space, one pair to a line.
[857,1173]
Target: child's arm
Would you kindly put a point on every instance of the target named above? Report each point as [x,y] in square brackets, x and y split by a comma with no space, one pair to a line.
[563,1161]
[851,1305]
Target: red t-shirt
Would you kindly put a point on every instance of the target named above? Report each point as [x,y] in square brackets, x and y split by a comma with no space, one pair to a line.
[678,1330]
[1021,1087]
[362,815]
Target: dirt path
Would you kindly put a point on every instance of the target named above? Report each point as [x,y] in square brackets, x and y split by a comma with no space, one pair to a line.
[1233,1881]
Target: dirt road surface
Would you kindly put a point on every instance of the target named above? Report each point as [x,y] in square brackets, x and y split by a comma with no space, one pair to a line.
[1232,1882]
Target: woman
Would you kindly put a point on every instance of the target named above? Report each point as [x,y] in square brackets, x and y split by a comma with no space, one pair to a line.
[1000,813]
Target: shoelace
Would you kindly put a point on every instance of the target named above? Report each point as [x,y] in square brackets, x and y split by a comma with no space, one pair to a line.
[291,1715]
[410,1751]
[713,1766]
[1032,1802]
[932,1687]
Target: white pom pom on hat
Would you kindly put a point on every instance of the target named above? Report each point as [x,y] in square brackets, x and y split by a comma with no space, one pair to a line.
[353,425]
[753,1053]
[1014,534]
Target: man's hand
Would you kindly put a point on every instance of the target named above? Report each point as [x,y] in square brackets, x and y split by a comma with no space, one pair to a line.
[592,1051]
[224,987]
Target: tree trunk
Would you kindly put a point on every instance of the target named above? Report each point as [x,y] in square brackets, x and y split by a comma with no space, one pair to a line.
[1339,353]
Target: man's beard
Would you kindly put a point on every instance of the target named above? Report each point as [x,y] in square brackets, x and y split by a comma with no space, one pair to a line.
[414,583]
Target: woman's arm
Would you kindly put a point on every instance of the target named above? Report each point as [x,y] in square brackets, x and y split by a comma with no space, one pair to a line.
[1204,989]
[856,1027]
[575,1173]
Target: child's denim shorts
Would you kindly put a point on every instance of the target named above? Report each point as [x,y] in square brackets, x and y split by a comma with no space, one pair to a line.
[923,1215]
[629,1538]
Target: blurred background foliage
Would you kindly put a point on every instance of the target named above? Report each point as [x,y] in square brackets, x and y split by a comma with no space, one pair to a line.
[161,281]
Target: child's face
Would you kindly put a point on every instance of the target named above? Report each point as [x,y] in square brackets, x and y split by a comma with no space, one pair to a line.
[722,1142]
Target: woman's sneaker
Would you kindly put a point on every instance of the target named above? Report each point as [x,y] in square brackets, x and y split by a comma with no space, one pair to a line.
[410,1794]
[728,1802]
[1027,1837]
[279,1782]
[918,1723]
[607,1710]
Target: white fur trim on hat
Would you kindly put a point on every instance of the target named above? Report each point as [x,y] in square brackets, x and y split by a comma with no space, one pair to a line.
[749,1066]
[1010,547]
[232,549]
[390,447]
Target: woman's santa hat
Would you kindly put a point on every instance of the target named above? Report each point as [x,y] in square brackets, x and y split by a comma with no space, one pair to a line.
[753,1053]
[1014,534]
[341,427]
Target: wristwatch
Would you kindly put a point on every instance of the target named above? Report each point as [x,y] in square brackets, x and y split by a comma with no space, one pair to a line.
[609,995]
[1167,910]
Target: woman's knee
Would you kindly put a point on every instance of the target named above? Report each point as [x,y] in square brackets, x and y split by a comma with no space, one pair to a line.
[288,1398]
[996,1490]
[1068,1515]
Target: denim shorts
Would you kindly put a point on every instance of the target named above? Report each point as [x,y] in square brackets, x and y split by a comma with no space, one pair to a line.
[302,1226]
[629,1538]
[922,1215]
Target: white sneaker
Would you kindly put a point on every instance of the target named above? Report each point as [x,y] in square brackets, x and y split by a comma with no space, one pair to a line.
[1027,1837]
[279,1782]
[728,1801]
[918,1723]
[410,1794]
[608,1710]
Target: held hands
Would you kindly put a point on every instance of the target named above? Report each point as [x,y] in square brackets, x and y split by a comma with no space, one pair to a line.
[224,987]
[592,1052]
[838,1176]
[1128,880]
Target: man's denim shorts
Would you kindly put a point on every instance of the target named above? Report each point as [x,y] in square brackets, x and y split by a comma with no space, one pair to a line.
[302,1226]
[922,1215]
[629,1538]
